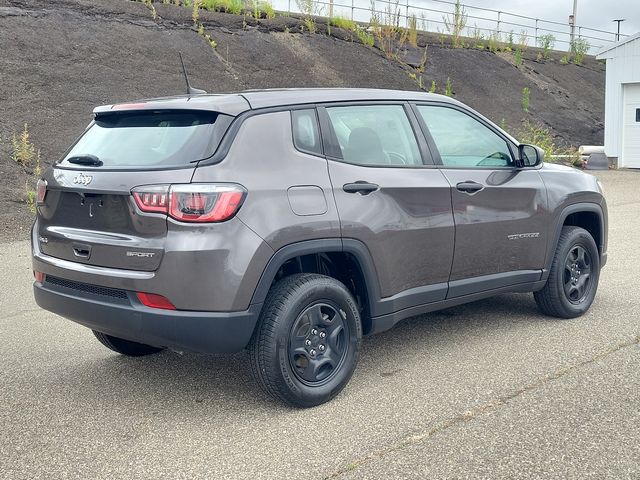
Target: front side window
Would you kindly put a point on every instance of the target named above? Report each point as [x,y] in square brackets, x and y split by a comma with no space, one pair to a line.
[463,141]
[375,135]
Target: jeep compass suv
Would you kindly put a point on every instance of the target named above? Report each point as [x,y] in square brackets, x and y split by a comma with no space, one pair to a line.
[292,222]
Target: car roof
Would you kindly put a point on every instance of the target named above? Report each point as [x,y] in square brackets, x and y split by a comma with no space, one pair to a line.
[237,102]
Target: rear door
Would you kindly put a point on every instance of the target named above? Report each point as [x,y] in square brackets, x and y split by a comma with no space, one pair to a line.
[500,211]
[391,198]
[89,214]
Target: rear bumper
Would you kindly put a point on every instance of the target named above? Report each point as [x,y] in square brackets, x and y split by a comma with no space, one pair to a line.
[203,332]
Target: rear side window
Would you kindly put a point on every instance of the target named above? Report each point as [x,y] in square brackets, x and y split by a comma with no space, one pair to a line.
[306,134]
[149,139]
[375,135]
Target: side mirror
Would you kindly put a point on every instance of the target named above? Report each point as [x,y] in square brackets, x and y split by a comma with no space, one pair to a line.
[529,155]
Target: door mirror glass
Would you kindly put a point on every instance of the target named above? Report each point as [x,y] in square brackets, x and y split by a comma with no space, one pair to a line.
[530,155]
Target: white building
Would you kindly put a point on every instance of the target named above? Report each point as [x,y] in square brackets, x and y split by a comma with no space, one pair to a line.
[622,102]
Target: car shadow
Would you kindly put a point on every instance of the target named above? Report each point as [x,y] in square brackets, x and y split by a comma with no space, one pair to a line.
[169,378]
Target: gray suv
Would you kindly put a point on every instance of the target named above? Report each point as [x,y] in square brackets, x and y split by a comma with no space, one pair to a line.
[292,222]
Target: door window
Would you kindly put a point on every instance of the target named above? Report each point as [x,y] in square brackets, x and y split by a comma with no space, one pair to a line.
[463,141]
[375,135]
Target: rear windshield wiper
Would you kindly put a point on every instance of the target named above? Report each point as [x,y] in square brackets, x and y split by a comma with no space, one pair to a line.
[85,159]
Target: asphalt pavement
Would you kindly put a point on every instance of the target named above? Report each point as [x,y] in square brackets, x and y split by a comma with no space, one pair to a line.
[492,389]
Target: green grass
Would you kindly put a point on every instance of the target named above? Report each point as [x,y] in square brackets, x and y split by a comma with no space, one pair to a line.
[344,23]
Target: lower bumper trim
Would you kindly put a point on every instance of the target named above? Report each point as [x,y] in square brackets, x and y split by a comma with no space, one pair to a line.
[202,332]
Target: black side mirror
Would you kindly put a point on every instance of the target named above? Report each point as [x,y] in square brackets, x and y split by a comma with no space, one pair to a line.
[529,156]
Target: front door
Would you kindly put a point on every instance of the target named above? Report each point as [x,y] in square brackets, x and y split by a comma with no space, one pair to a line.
[391,201]
[500,211]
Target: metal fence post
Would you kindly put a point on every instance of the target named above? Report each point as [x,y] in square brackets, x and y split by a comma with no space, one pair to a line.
[407,15]
[498,24]
[536,39]
[352,9]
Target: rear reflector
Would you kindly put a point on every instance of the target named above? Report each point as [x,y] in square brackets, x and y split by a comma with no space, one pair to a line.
[39,276]
[41,191]
[155,301]
[195,202]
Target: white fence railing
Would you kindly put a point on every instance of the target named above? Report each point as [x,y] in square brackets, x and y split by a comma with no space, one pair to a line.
[431,14]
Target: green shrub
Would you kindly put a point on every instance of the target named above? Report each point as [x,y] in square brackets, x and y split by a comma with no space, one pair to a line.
[510,40]
[546,42]
[518,56]
[537,134]
[433,87]
[525,99]
[24,151]
[30,198]
[579,48]
[564,60]
[448,88]
[455,22]
[365,37]
[413,30]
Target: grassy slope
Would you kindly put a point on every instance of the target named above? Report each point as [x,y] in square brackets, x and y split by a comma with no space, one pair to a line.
[60,59]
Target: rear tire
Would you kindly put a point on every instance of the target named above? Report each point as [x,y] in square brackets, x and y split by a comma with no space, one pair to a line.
[573,279]
[125,347]
[307,341]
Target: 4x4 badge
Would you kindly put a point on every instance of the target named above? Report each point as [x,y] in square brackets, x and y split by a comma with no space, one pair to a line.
[83,179]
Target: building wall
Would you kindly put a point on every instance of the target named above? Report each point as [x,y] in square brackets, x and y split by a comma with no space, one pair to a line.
[623,66]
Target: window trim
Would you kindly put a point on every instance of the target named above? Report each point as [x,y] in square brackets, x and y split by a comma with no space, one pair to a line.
[332,148]
[436,152]
[293,139]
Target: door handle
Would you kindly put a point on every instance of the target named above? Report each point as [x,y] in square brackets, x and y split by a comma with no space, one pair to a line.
[361,187]
[469,187]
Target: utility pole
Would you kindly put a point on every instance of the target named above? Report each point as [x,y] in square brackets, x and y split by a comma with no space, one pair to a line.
[573,20]
[620,20]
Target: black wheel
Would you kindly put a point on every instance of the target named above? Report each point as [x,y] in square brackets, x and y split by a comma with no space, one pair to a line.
[573,279]
[306,345]
[125,347]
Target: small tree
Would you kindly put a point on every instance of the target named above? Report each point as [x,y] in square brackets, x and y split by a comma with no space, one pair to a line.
[525,99]
[23,150]
[546,42]
[579,48]
[456,22]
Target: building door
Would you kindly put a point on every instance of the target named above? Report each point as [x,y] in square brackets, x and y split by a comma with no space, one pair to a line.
[631,126]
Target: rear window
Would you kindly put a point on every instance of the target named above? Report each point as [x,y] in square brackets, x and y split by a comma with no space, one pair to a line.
[149,139]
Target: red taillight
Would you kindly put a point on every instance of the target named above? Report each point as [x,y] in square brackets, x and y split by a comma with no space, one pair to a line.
[39,276]
[153,198]
[196,202]
[41,191]
[155,301]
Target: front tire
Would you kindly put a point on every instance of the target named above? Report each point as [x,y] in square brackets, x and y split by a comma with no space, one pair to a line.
[125,347]
[573,278]
[307,342]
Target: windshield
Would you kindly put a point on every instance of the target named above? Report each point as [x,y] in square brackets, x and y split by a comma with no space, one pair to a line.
[143,139]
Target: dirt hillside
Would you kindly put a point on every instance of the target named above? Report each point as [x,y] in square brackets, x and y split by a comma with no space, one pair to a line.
[60,59]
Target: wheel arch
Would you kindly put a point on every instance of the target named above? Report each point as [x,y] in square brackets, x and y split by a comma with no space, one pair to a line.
[589,216]
[350,252]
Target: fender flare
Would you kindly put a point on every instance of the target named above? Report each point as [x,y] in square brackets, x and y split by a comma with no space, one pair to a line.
[560,219]
[322,245]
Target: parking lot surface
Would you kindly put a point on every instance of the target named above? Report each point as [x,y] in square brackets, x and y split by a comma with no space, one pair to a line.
[491,389]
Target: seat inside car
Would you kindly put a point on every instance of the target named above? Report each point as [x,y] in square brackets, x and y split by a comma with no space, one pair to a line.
[364,147]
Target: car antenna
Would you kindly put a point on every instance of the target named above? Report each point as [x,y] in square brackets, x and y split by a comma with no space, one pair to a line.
[190,89]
